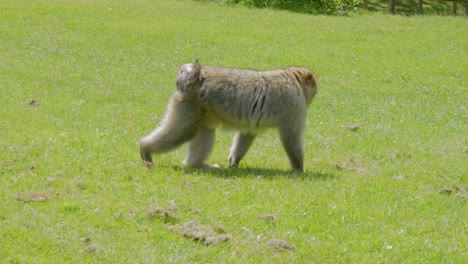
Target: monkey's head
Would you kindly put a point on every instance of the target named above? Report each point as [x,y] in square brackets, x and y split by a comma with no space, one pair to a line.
[188,77]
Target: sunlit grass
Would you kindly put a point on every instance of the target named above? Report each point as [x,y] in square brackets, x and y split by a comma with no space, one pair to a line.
[386,142]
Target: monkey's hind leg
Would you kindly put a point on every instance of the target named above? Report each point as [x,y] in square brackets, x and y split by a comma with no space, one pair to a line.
[199,148]
[240,145]
[292,143]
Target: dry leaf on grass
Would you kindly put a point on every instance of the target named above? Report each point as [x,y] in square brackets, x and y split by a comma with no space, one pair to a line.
[86,240]
[446,191]
[80,184]
[220,229]
[353,127]
[352,166]
[33,103]
[32,168]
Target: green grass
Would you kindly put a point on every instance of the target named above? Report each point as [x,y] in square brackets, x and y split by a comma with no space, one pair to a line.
[394,191]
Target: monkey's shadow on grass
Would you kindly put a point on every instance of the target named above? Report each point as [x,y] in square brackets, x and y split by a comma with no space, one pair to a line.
[246,172]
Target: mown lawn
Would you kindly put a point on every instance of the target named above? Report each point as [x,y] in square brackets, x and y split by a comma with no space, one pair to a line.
[386,142]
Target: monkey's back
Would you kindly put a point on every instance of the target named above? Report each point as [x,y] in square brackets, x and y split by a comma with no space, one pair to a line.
[256,99]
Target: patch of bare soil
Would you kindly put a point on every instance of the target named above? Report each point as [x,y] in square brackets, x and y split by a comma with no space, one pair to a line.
[32,197]
[459,190]
[268,218]
[353,127]
[167,214]
[204,234]
[278,245]
[211,235]
[90,248]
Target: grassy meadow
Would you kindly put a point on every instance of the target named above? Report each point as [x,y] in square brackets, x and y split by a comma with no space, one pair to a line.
[386,140]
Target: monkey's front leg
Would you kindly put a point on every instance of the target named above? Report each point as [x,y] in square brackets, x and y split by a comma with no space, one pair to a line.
[146,157]
[240,144]
[200,147]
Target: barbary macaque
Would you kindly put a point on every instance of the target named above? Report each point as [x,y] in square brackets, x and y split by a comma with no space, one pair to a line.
[246,101]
